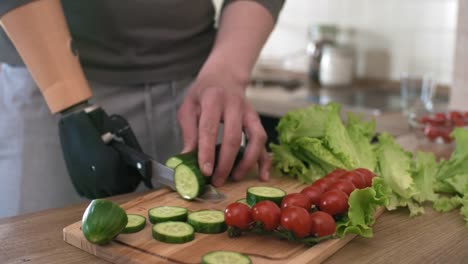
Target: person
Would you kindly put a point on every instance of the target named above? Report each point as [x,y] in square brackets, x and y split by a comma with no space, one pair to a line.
[163,65]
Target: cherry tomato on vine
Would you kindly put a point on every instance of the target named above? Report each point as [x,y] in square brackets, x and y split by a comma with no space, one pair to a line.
[367,174]
[267,213]
[296,220]
[322,224]
[296,199]
[314,193]
[355,178]
[322,183]
[335,175]
[334,202]
[343,185]
[238,215]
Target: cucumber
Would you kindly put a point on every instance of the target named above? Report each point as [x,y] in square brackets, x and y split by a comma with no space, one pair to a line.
[135,223]
[189,181]
[102,221]
[173,232]
[167,213]
[261,193]
[207,221]
[225,257]
[244,201]
[189,157]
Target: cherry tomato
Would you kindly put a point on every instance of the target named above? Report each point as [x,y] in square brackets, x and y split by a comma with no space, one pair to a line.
[343,185]
[431,132]
[424,120]
[439,118]
[445,134]
[455,115]
[322,183]
[268,213]
[296,220]
[238,215]
[458,122]
[296,199]
[356,179]
[465,115]
[313,192]
[335,175]
[334,202]
[322,224]
[367,174]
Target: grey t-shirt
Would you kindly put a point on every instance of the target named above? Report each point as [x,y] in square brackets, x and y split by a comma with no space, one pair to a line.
[136,41]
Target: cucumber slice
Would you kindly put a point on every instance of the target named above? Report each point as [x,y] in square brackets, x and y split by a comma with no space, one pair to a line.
[167,213]
[244,201]
[189,181]
[189,157]
[135,223]
[207,221]
[261,193]
[225,257]
[173,232]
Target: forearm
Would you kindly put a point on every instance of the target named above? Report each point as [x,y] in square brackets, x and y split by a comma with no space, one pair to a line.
[40,34]
[244,27]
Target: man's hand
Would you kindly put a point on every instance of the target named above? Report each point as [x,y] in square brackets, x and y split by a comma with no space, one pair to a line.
[215,98]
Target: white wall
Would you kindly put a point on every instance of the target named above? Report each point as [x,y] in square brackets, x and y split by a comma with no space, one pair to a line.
[392,36]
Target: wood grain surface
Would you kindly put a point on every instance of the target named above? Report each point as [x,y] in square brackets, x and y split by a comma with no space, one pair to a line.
[141,248]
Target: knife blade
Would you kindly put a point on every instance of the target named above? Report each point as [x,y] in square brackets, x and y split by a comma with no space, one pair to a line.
[162,175]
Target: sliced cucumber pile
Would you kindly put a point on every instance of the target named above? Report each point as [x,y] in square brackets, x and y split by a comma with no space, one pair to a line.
[207,221]
[135,223]
[167,213]
[189,181]
[261,193]
[225,257]
[173,232]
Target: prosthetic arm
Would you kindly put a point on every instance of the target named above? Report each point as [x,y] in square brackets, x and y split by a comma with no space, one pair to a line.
[39,32]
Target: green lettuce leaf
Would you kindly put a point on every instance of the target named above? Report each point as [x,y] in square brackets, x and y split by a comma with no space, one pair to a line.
[446,204]
[313,149]
[424,177]
[307,122]
[361,134]
[363,203]
[339,142]
[284,160]
[395,167]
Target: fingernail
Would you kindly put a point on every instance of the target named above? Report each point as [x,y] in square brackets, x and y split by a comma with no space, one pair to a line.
[208,168]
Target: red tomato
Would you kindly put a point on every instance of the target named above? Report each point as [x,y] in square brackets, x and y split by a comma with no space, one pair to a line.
[367,174]
[313,192]
[335,175]
[334,202]
[322,224]
[465,115]
[296,220]
[356,179]
[322,183]
[458,122]
[454,115]
[296,199]
[343,185]
[445,134]
[238,215]
[431,132]
[424,120]
[268,213]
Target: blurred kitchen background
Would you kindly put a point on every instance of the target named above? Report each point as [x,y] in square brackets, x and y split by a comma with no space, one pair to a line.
[360,53]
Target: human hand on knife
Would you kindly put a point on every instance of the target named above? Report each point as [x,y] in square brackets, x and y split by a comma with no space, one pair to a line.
[217,95]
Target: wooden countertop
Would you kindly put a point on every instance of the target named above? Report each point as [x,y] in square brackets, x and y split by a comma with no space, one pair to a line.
[432,238]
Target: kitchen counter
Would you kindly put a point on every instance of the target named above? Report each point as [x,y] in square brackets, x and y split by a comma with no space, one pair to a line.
[432,238]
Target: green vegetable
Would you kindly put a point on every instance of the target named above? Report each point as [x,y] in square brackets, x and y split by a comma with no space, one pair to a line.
[261,193]
[363,203]
[167,213]
[173,232]
[207,221]
[314,141]
[447,204]
[102,221]
[189,181]
[225,257]
[424,177]
[135,223]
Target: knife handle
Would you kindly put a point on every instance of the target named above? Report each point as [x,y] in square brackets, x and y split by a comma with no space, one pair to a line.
[136,159]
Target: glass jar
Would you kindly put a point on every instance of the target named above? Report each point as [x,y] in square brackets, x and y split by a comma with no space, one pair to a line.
[319,37]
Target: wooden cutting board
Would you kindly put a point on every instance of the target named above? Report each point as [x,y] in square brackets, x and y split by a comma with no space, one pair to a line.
[139,248]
